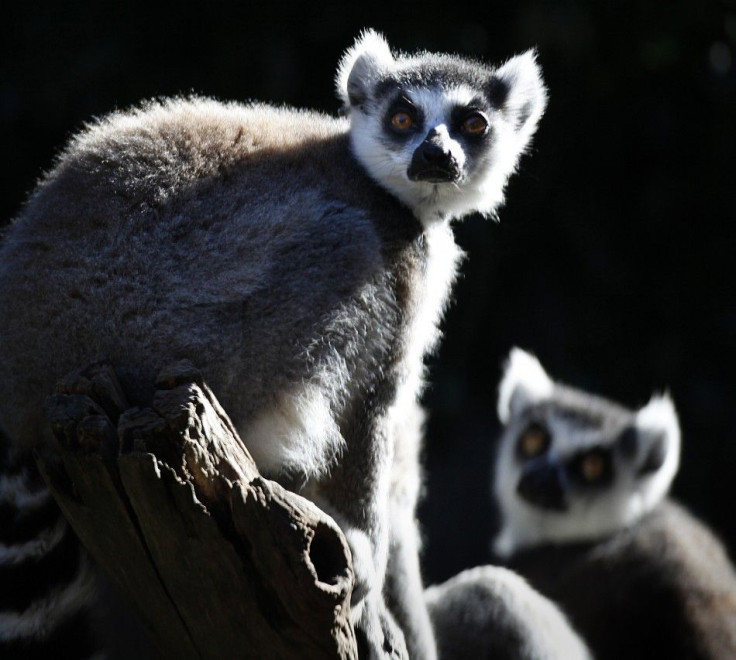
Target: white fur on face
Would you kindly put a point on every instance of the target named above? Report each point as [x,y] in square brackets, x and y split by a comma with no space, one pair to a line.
[478,190]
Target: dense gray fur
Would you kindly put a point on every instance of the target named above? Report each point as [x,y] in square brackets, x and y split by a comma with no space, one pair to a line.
[663,586]
[250,240]
[490,612]
[635,572]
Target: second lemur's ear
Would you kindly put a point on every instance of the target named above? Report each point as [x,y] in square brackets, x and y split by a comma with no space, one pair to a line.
[524,383]
[658,431]
[518,90]
[360,67]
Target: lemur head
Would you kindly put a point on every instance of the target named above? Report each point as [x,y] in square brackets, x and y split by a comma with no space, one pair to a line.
[572,466]
[441,133]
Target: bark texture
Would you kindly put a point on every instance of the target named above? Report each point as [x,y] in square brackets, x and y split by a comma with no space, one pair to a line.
[218,561]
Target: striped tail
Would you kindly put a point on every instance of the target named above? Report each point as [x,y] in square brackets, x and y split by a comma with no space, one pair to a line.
[47,584]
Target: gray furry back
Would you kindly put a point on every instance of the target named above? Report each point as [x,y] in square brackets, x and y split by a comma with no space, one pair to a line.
[154,238]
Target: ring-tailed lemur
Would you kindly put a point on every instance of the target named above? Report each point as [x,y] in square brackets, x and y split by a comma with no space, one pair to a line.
[491,612]
[581,484]
[302,262]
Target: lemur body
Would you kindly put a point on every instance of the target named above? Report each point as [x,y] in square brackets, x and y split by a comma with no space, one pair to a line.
[581,484]
[491,612]
[302,262]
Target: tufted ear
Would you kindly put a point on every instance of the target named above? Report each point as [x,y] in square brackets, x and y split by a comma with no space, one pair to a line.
[518,90]
[361,66]
[658,432]
[523,384]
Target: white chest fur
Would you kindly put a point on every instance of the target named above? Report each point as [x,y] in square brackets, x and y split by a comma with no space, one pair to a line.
[443,256]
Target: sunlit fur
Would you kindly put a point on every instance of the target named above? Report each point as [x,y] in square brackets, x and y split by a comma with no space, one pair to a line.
[576,421]
[287,254]
[483,177]
[524,382]
[491,612]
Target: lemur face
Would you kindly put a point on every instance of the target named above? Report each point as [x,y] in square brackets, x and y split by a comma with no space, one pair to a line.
[441,133]
[435,135]
[572,466]
[567,456]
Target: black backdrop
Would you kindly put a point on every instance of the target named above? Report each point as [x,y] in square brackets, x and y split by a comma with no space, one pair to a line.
[613,260]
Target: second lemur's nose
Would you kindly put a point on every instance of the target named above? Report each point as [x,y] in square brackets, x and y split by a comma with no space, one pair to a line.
[543,484]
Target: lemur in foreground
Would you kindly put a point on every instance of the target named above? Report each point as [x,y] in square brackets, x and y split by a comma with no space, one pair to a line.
[581,484]
[302,262]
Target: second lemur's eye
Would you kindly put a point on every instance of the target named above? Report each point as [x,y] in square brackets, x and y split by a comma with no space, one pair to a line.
[476,124]
[534,441]
[592,467]
[402,121]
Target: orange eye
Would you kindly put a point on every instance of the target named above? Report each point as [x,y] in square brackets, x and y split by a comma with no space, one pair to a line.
[592,467]
[402,121]
[533,442]
[475,125]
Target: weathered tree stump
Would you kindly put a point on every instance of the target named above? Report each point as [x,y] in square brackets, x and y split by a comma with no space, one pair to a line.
[218,561]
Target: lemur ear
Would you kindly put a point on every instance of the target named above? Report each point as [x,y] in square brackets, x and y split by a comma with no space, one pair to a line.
[360,67]
[524,383]
[518,90]
[658,433]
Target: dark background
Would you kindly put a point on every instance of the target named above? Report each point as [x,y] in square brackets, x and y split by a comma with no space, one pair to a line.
[614,257]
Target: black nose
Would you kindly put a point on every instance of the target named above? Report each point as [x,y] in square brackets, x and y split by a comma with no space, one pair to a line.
[432,162]
[434,154]
[543,484]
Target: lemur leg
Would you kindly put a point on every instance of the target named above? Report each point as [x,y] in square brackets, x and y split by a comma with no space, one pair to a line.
[377,632]
[404,590]
[379,635]
[356,495]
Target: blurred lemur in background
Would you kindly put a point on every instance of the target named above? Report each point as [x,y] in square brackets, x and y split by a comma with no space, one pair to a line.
[302,262]
[491,612]
[581,485]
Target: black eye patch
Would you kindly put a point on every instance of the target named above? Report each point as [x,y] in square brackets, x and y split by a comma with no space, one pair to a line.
[460,115]
[533,441]
[591,469]
[411,117]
